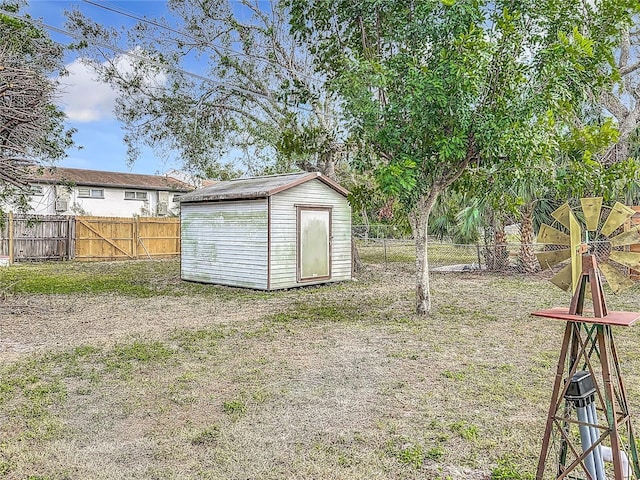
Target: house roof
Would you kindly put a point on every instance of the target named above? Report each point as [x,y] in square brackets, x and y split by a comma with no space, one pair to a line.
[97,178]
[256,187]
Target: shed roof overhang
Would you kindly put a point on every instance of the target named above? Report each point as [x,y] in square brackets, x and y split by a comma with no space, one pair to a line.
[256,187]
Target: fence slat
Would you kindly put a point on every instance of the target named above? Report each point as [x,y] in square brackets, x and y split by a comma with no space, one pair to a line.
[10,227]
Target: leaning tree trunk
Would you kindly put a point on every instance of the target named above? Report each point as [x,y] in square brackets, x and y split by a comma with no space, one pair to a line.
[420,220]
[527,255]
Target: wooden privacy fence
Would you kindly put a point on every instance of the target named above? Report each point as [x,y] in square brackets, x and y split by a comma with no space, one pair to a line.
[36,237]
[88,238]
[115,238]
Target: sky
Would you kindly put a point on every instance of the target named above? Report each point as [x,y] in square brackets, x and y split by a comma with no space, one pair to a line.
[88,103]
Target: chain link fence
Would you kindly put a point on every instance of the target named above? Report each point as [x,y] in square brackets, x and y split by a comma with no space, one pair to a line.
[384,244]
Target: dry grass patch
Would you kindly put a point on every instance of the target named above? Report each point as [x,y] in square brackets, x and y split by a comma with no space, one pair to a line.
[331,382]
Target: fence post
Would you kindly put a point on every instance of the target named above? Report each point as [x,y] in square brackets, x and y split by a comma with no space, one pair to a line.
[71,237]
[479,257]
[384,244]
[136,237]
[10,228]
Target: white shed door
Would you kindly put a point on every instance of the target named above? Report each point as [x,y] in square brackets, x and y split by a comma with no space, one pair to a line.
[314,243]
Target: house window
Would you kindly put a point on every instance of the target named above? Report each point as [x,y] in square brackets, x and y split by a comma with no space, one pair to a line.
[135,195]
[91,192]
[36,190]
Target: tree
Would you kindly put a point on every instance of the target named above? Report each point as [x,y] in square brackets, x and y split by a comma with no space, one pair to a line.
[435,88]
[254,93]
[32,128]
[623,101]
[578,165]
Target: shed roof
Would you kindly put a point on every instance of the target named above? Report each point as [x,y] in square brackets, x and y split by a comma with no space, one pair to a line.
[256,187]
[100,178]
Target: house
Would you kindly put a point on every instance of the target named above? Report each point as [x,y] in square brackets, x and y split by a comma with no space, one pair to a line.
[72,191]
[267,233]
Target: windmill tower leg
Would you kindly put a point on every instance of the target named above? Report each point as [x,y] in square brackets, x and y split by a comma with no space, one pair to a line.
[611,410]
[553,406]
[588,345]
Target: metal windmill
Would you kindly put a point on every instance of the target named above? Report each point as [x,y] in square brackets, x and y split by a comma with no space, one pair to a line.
[588,433]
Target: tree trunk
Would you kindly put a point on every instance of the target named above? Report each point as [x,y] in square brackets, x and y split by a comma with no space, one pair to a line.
[501,254]
[326,165]
[356,261]
[527,256]
[496,253]
[328,168]
[419,222]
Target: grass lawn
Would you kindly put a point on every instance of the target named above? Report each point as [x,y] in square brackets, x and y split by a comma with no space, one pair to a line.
[403,251]
[123,371]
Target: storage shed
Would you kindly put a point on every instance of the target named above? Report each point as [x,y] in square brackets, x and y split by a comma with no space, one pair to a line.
[267,233]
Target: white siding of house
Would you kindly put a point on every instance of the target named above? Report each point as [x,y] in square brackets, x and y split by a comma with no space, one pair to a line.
[112,205]
[44,204]
[225,243]
[284,234]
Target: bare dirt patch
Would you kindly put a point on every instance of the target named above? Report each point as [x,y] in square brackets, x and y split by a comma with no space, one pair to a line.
[39,323]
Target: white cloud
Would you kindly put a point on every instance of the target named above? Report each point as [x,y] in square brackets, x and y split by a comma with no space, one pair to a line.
[83,97]
[136,64]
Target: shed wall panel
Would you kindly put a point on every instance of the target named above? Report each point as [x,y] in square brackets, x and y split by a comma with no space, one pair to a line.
[225,243]
[284,232]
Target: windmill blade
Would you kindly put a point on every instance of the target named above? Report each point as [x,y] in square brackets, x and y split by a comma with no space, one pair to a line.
[618,215]
[591,207]
[561,214]
[563,278]
[616,280]
[575,234]
[628,259]
[552,236]
[627,238]
[549,259]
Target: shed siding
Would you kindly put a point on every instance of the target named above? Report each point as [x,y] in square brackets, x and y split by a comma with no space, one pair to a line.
[225,243]
[284,232]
